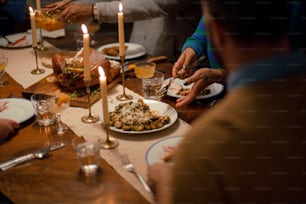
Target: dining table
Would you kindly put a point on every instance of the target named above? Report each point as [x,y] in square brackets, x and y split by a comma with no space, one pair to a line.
[57,178]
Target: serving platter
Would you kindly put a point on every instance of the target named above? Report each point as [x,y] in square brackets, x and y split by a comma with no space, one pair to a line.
[162,108]
[48,86]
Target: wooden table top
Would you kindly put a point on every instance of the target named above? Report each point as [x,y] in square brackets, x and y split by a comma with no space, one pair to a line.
[57,179]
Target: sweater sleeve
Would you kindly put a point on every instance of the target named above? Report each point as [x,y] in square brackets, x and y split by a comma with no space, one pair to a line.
[199,43]
[198,40]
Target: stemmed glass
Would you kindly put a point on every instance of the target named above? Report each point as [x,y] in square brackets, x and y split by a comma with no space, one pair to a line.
[3,63]
[62,103]
[93,27]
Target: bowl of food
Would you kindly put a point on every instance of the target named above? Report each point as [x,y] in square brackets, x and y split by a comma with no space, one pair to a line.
[49,20]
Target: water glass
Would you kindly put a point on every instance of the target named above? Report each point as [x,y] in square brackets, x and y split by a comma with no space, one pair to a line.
[151,85]
[88,154]
[44,108]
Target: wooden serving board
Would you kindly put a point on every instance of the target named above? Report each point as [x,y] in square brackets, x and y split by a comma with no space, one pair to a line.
[48,87]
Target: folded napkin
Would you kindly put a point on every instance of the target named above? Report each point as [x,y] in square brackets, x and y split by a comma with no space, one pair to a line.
[54,34]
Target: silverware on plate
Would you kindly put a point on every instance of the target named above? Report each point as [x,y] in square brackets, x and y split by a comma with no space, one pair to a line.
[6,39]
[39,154]
[130,167]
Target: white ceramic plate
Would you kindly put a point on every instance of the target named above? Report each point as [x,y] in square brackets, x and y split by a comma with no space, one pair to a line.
[156,151]
[133,51]
[161,107]
[18,109]
[214,89]
[26,43]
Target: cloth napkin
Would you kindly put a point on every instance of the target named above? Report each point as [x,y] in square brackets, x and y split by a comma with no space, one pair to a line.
[135,146]
[54,34]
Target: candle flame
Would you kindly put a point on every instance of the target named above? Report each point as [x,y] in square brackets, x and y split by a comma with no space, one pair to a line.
[30,9]
[120,7]
[84,29]
[101,71]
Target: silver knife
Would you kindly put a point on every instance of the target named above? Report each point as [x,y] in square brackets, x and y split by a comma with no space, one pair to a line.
[39,154]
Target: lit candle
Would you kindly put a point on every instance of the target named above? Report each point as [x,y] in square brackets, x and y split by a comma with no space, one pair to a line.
[87,76]
[33,26]
[38,4]
[103,88]
[121,31]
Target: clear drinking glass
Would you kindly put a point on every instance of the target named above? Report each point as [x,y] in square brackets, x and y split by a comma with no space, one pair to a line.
[62,103]
[44,108]
[151,86]
[88,153]
[93,27]
[3,63]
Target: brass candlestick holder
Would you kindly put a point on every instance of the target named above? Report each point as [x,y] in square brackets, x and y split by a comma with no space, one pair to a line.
[123,96]
[109,143]
[89,118]
[41,43]
[37,70]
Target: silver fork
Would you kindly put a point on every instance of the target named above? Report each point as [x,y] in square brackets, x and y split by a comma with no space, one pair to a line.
[130,167]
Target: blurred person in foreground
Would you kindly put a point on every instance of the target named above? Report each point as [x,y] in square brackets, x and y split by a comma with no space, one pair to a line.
[198,46]
[249,148]
[161,26]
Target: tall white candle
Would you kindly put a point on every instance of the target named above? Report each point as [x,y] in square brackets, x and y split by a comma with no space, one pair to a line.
[121,31]
[103,88]
[33,26]
[38,4]
[87,76]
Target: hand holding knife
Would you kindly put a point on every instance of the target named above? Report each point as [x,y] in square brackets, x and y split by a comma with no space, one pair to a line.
[186,68]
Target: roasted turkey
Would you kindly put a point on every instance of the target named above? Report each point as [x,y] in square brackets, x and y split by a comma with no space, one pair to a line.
[69,72]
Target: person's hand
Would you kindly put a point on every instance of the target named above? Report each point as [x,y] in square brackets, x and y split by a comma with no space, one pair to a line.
[6,127]
[185,59]
[159,181]
[201,78]
[54,6]
[76,13]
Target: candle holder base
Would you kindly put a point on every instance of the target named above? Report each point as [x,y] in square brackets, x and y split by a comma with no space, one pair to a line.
[42,48]
[109,143]
[90,118]
[37,71]
[124,97]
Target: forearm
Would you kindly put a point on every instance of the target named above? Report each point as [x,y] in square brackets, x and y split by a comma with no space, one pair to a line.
[134,10]
[198,40]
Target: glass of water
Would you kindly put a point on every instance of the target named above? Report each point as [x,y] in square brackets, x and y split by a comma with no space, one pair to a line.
[152,85]
[88,154]
[3,63]
[44,108]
